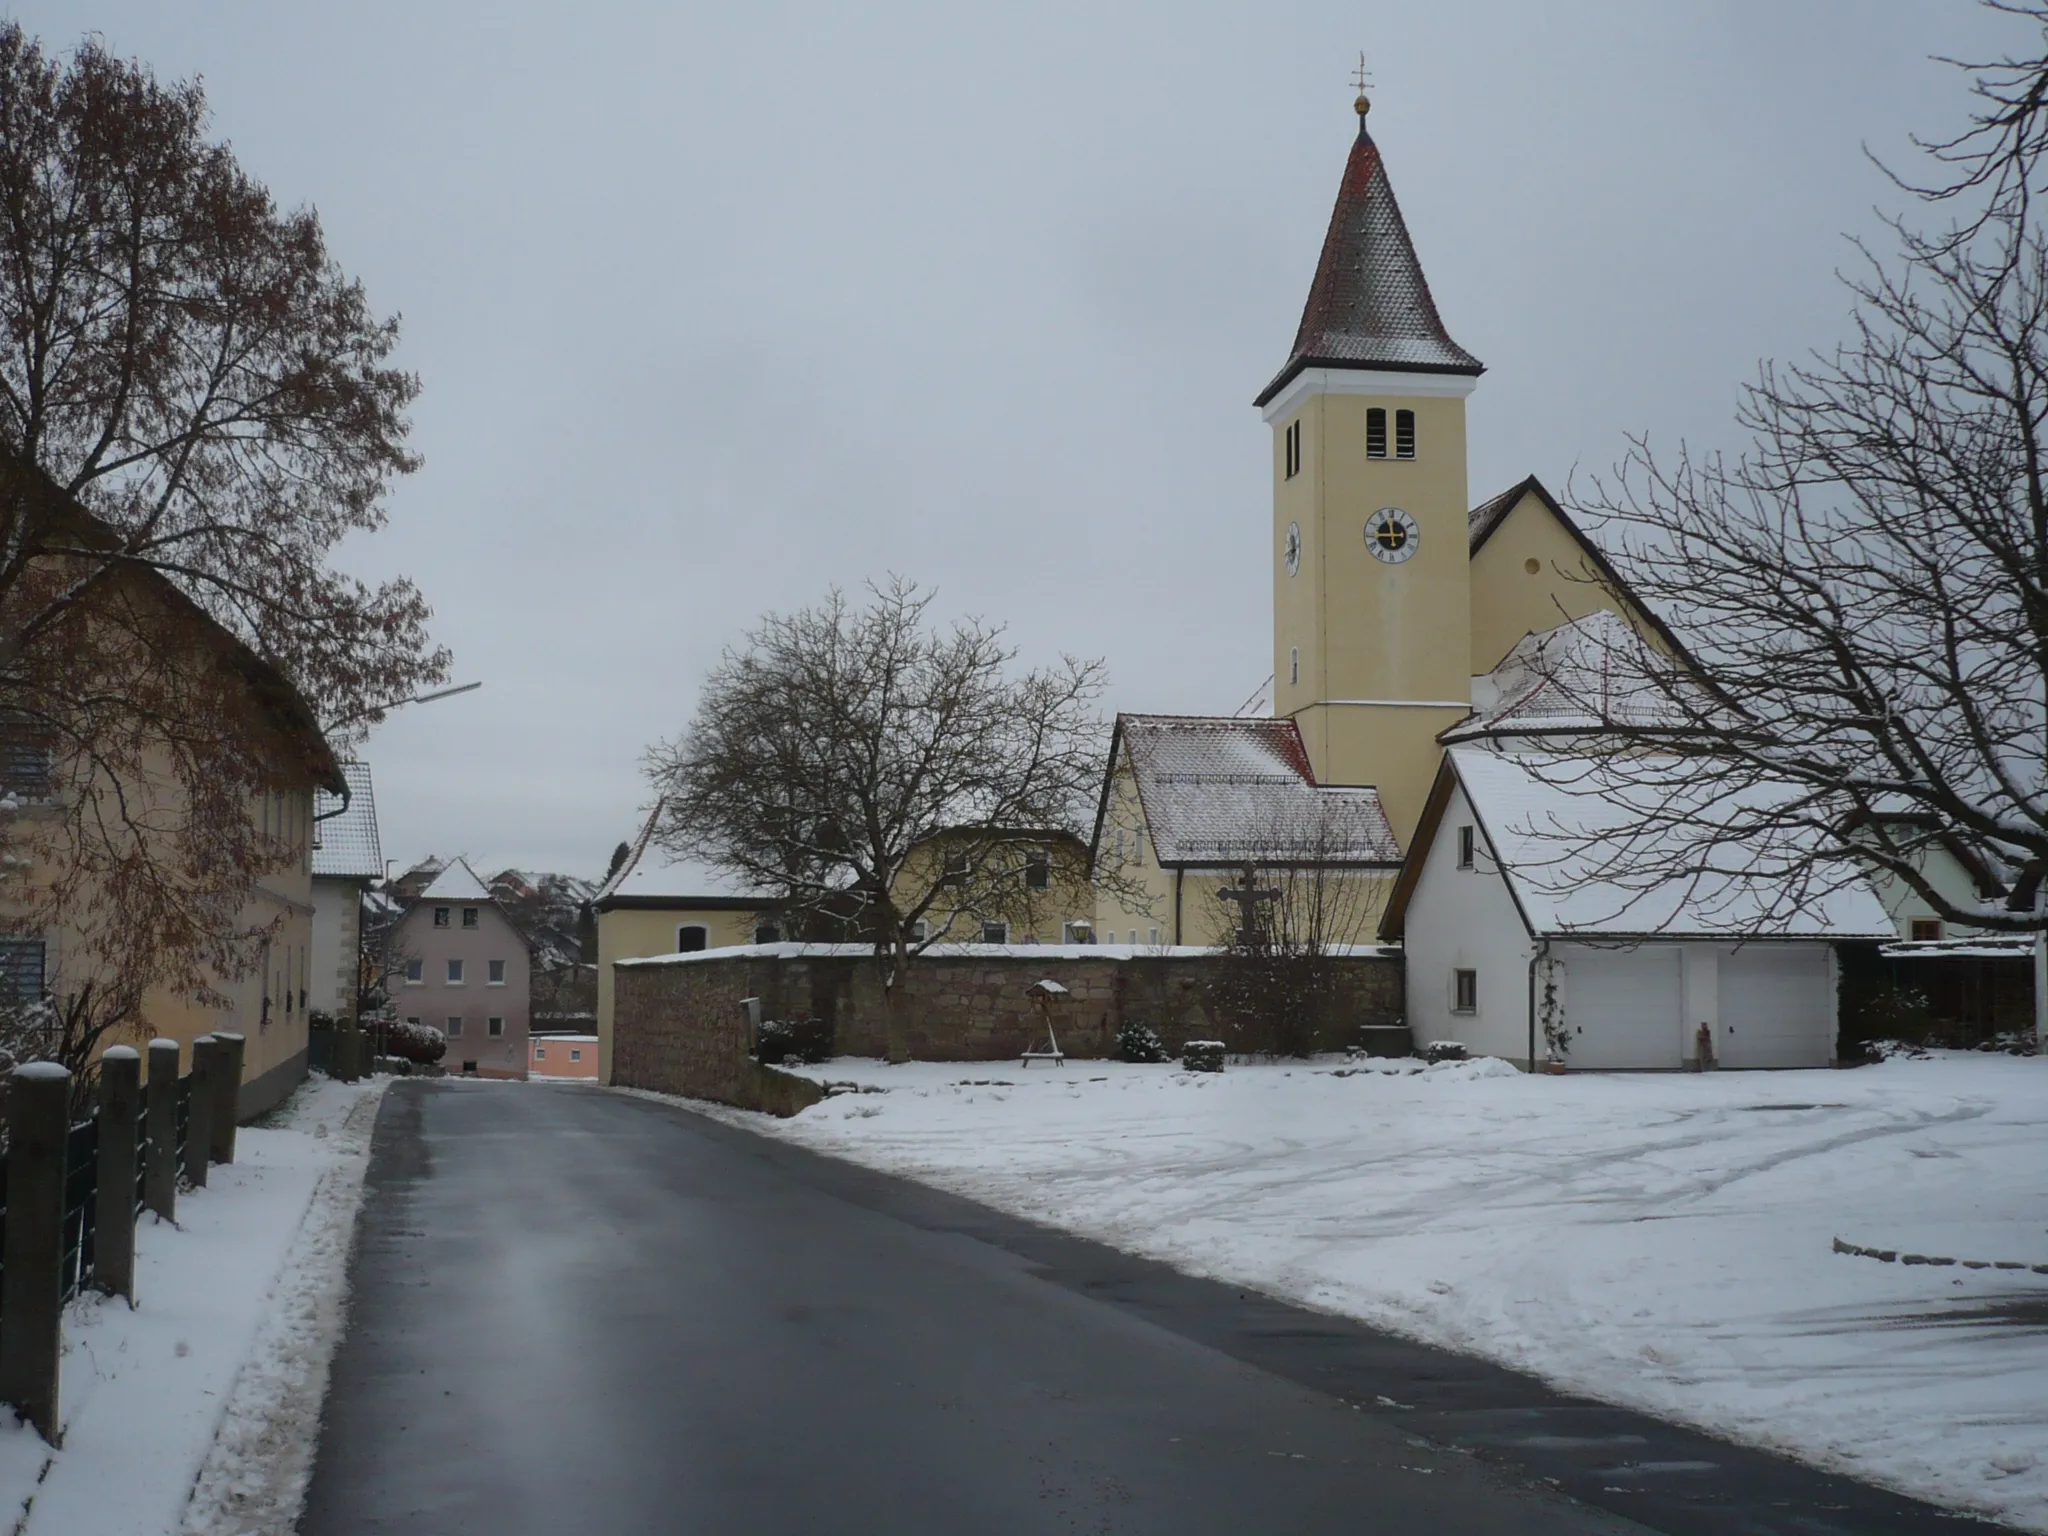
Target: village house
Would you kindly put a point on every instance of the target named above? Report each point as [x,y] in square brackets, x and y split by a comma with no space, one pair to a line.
[348,861]
[62,947]
[464,969]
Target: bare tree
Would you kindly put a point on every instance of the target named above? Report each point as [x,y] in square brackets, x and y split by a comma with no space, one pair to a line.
[1864,590]
[196,407]
[866,768]
[1314,880]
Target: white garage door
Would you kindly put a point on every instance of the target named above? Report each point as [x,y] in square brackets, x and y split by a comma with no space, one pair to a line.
[1621,1006]
[1777,1006]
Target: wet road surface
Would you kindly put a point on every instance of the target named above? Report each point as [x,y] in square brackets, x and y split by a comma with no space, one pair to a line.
[576,1311]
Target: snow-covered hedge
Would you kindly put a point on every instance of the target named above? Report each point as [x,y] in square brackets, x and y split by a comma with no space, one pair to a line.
[1202,1056]
[780,1040]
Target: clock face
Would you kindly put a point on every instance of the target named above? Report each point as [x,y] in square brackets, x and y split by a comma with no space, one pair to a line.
[1293,548]
[1392,535]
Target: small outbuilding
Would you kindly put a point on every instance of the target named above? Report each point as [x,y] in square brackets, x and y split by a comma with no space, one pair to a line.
[1521,944]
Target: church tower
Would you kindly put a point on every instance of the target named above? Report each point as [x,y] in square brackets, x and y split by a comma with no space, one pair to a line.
[1372,625]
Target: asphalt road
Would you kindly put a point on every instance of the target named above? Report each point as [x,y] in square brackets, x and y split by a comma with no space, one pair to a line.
[576,1311]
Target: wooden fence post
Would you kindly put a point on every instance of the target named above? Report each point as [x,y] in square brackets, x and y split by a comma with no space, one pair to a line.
[227,1104]
[160,1177]
[114,1219]
[32,1282]
[199,1118]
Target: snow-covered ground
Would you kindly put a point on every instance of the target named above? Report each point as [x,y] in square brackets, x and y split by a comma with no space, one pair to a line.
[197,1411]
[1659,1241]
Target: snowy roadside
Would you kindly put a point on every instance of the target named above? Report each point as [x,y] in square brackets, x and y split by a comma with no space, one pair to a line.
[197,1410]
[1663,1242]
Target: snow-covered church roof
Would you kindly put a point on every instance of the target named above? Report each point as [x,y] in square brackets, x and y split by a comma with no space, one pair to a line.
[1217,791]
[1590,674]
[1609,847]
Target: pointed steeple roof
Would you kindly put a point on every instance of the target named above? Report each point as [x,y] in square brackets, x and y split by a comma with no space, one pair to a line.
[1369,306]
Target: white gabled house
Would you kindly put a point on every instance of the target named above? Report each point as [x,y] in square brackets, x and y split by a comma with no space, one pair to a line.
[1521,945]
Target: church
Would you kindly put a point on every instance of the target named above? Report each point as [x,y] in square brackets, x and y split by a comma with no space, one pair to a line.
[1426,648]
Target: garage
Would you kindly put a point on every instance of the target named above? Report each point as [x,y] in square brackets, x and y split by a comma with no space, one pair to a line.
[1622,1007]
[1777,1006]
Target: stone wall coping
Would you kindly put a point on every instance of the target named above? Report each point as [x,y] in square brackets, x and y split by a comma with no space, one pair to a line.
[1010,952]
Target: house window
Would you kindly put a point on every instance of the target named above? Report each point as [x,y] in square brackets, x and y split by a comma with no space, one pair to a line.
[1376,433]
[469,917]
[1037,871]
[692,937]
[496,975]
[1292,438]
[1924,929]
[412,1018]
[494,1028]
[1294,664]
[1404,434]
[1464,991]
[1464,847]
[995,933]
[24,758]
[21,970]
[575,1055]
[454,973]
[415,972]
[454,1026]
[540,1053]
[440,917]
[767,933]
[1153,938]
[920,931]
[1079,933]
[956,869]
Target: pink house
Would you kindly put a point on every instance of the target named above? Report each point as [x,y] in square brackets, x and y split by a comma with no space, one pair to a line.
[468,974]
[564,1056]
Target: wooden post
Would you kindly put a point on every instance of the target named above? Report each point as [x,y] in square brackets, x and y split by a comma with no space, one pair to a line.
[160,1177]
[32,1283]
[114,1215]
[348,1038]
[199,1123]
[227,1104]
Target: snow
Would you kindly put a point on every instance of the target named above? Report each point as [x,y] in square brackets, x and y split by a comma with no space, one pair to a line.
[793,950]
[1661,1241]
[1545,815]
[197,1410]
[345,841]
[458,882]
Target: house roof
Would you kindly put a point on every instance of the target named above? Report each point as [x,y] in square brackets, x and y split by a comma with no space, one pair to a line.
[275,695]
[1593,673]
[651,877]
[1218,790]
[1369,305]
[456,882]
[348,847]
[1542,816]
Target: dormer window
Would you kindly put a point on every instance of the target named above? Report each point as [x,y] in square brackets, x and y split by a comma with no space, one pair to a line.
[1404,434]
[1376,433]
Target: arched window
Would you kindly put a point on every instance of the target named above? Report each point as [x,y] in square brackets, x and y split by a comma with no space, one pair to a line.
[1404,434]
[1376,432]
[692,937]
[767,933]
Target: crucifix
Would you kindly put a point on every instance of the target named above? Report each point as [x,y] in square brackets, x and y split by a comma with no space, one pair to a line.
[1248,897]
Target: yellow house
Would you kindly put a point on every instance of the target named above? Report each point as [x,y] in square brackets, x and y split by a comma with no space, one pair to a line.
[1000,886]
[657,905]
[61,931]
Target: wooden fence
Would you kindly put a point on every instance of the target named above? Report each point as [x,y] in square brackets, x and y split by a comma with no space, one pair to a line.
[71,1190]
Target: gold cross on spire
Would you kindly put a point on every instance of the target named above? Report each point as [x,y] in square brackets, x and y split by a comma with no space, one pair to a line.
[1362,80]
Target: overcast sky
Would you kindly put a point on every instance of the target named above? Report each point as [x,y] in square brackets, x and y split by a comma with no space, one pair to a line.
[716,306]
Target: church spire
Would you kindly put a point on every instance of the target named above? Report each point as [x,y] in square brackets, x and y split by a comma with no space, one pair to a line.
[1369,307]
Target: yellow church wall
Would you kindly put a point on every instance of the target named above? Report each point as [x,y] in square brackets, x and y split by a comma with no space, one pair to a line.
[1510,599]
